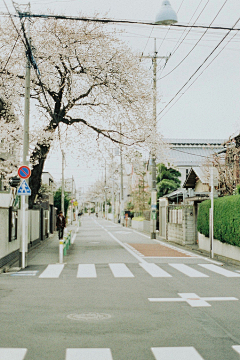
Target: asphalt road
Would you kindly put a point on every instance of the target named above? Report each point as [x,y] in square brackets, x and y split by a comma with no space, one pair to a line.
[108,301]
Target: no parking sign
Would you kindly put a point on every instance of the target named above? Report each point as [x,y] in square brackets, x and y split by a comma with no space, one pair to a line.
[24,172]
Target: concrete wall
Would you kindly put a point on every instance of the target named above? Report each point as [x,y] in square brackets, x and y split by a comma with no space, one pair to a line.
[6,247]
[34,224]
[219,248]
[141,225]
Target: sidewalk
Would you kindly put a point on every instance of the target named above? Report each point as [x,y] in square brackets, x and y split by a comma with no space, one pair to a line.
[48,251]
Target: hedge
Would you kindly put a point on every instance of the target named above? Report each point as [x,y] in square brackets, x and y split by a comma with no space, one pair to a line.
[226,219]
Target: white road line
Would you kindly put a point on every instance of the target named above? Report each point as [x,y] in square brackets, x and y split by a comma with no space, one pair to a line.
[173,353]
[137,232]
[187,270]
[123,245]
[236,348]
[88,354]
[219,270]
[12,354]
[154,270]
[52,271]
[120,271]
[86,271]
[193,299]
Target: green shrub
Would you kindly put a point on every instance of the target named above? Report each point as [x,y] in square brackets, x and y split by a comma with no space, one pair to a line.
[226,219]
[138,218]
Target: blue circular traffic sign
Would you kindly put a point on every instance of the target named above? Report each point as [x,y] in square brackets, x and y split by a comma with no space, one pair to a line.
[24,172]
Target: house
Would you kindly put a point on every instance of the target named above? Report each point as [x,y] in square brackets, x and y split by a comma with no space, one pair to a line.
[184,154]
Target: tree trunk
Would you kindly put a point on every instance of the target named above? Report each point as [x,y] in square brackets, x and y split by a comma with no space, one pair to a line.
[38,158]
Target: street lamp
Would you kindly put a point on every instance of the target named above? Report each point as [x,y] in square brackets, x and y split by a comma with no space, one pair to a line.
[166,16]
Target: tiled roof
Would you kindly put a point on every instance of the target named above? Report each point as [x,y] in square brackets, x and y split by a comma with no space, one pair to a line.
[195,141]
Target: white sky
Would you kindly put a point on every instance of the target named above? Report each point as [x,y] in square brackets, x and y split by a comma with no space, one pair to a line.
[210,107]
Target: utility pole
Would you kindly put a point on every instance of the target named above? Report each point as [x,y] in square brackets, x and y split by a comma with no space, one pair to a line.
[211,222]
[72,203]
[105,191]
[113,199]
[121,184]
[153,219]
[24,204]
[62,196]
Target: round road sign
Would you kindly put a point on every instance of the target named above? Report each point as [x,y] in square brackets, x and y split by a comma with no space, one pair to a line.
[24,172]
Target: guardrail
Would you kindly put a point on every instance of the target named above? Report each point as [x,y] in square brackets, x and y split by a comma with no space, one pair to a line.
[64,245]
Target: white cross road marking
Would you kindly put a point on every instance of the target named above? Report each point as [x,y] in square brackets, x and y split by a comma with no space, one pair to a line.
[192,299]
[176,353]
[154,270]
[52,271]
[13,354]
[88,354]
[187,270]
[86,271]
[236,348]
[219,270]
[120,271]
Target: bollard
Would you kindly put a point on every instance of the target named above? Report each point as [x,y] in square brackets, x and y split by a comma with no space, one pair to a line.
[61,251]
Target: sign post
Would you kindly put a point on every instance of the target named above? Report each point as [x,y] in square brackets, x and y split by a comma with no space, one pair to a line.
[24,172]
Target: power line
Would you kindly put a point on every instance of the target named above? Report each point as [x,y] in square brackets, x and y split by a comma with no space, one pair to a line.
[10,55]
[114,21]
[147,41]
[199,75]
[169,27]
[197,70]
[177,46]
[195,44]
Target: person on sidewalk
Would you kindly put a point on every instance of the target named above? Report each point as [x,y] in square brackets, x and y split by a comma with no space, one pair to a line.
[61,224]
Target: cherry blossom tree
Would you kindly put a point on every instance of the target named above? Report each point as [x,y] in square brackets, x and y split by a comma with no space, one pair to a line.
[84,77]
[10,141]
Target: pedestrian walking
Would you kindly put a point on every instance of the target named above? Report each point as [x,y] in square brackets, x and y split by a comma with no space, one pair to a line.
[61,224]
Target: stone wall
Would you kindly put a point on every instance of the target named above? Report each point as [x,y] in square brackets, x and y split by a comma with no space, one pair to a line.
[182,228]
[175,233]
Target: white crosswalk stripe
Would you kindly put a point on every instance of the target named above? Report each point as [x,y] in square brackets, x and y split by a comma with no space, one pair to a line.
[120,271]
[154,270]
[12,353]
[173,353]
[236,348]
[86,271]
[219,270]
[52,271]
[187,270]
[88,354]
[159,353]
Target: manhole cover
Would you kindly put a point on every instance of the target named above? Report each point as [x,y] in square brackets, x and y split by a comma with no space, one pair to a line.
[89,317]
